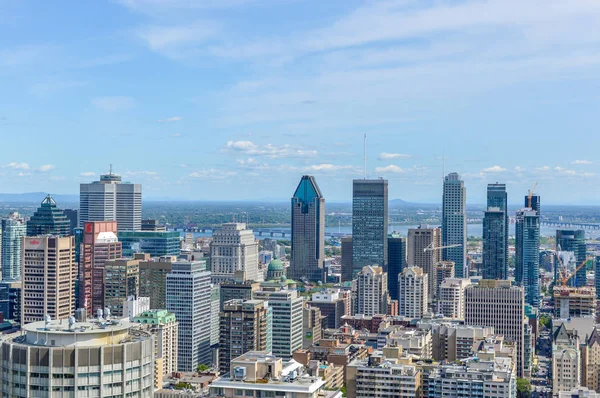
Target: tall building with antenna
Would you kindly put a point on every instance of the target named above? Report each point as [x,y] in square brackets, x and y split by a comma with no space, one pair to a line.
[495,233]
[111,199]
[454,223]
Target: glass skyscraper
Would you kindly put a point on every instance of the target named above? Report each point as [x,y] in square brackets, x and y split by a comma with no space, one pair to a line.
[48,220]
[495,233]
[396,262]
[13,229]
[454,223]
[527,254]
[573,241]
[369,224]
[308,232]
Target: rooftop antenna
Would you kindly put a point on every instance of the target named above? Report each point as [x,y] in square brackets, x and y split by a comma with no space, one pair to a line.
[110,170]
[365,157]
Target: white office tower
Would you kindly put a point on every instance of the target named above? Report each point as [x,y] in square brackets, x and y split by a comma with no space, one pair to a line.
[110,199]
[451,301]
[234,248]
[413,288]
[189,298]
[372,291]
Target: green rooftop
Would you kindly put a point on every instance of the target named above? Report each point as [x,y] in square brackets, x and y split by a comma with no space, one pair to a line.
[155,317]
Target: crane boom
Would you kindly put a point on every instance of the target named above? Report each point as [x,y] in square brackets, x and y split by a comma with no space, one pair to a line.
[530,194]
[431,247]
[566,279]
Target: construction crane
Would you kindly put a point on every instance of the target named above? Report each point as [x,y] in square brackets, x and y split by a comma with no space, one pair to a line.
[431,247]
[563,272]
[530,194]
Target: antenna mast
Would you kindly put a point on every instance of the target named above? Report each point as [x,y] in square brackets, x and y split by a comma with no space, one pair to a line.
[110,170]
[365,157]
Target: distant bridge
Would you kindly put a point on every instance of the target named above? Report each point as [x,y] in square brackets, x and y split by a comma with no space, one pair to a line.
[571,225]
[261,232]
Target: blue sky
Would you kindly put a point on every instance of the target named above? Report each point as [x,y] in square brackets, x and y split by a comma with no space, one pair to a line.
[236,99]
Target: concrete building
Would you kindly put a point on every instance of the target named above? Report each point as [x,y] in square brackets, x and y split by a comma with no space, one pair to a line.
[111,199]
[451,301]
[396,262]
[591,361]
[417,342]
[312,326]
[155,244]
[48,219]
[422,243]
[135,305]
[215,313]
[238,288]
[163,325]
[189,298]
[153,278]
[90,359]
[574,301]
[495,233]
[453,341]
[48,271]
[369,224]
[234,248]
[245,325]
[443,270]
[413,290]
[497,304]
[371,291]
[346,259]
[152,225]
[308,232]
[334,304]
[581,392]
[12,231]
[121,280]
[527,254]
[454,223]
[100,244]
[287,320]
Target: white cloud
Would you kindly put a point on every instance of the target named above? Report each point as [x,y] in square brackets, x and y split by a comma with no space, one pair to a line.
[389,156]
[270,150]
[140,173]
[170,119]
[493,169]
[18,166]
[389,169]
[113,104]
[328,167]
[212,174]
[46,168]
[178,41]
[586,162]
[87,174]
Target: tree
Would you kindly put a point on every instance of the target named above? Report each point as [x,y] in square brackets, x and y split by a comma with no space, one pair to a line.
[545,320]
[202,368]
[523,388]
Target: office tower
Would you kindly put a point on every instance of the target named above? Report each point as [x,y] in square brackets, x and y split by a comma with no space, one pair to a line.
[41,355]
[163,325]
[333,305]
[495,265]
[442,270]
[153,226]
[234,248]
[547,258]
[413,288]
[73,217]
[100,244]
[423,245]
[497,304]
[215,308]
[527,255]
[396,262]
[48,220]
[308,232]
[369,224]
[153,279]
[574,241]
[451,300]
[12,231]
[238,288]
[188,297]
[454,223]
[371,291]
[592,356]
[110,199]
[121,280]
[287,320]
[156,244]
[346,260]
[49,271]
[10,299]
[245,325]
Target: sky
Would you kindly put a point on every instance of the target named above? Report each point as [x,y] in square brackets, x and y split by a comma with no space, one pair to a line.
[237,99]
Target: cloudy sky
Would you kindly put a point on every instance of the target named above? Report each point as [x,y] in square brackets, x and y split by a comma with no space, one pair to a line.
[236,99]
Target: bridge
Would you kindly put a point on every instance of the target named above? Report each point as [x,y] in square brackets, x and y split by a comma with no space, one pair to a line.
[260,232]
[571,225]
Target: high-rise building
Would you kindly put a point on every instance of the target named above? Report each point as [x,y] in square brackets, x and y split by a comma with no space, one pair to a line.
[413,288]
[495,265]
[156,244]
[497,304]
[153,279]
[454,223]
[215,309]
[48,271]
[287,320]
[238,288]
[346,260]
[121,280]
[234,248]
[10,299]
[334,304]
[369,223]
[423,245]
[245,325]
[396,262]
[188,297]
[73,217]
[308,232]
[153,226]
[371,291]
[592,360]
[527,254]
[110,199]
[442,270]
[48,220]
[451,301]
[100,244]
[12,232]
[574,241]
[574,302]
[566,359]
[312,326]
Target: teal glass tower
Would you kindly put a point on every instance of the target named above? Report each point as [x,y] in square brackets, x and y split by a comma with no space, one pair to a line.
[573,241]
[13,230]
[308,232]
[48,220]
[454,224]
[495,233]
[527,254]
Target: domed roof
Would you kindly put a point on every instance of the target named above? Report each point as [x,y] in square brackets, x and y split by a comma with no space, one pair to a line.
[275,265]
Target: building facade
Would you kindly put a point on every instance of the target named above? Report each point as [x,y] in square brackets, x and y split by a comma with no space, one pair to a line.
[346,260]
[451,301]
[527,254]
[574,241]
[423,252]
[413,285]
[48,220]
[396,262]
[155,244]
[234,248]
[12,231]
[121,280]
[495,233]
[454,223]
[371,291]
[153,280]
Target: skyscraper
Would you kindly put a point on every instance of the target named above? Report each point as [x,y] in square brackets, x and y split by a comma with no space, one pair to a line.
[495,233]
[396,262]
[346,249]
[234,248]
[308,232]
[153,277]
[48,220]
[574,241]
[423,252]
[12,231]
[73,217]
[412,289]
[121,280]
[188,297]
[527,254]
[49,272]
[369,223]
[110,199]
[454,223]
[371,291]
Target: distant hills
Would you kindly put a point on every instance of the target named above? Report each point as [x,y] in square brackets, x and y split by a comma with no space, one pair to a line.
[37,197]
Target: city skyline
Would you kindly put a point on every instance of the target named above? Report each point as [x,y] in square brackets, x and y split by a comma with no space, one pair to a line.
[282,88]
